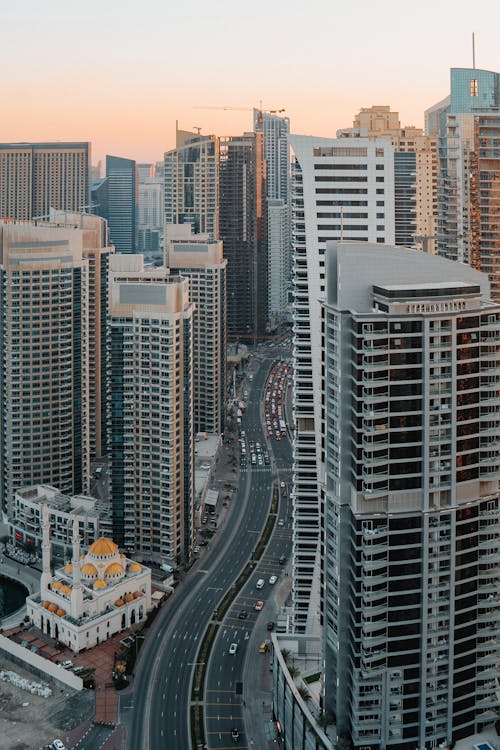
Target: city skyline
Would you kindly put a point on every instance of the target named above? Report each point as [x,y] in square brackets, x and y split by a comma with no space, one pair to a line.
[101,76]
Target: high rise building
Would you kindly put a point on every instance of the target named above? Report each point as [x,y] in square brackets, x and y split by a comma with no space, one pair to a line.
[467,124]
[151,410]
[193,257]
[44,406]
[35,177]
[115,197]
[276,131]
[191,176]
[243,230]
[410,521]
[96,250]
[341,188]
[149,209]
[415,178]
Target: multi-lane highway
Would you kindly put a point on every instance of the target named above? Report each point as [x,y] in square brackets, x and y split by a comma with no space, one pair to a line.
[160,708]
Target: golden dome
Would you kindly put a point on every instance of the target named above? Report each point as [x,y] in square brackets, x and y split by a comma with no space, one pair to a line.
[60,613]
[103,546]
[119,603]
[65,589]
[45,604]
[68,568]
[134,567]
[114,569]
[129,597]
[89,570]
[121,554]
[52,607]
[100,584]
[56,585]
[137,594]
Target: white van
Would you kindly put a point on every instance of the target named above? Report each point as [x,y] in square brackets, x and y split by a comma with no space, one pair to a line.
[260,584]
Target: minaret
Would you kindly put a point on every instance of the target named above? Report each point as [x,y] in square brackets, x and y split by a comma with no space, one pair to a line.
[46,576]
[77,592]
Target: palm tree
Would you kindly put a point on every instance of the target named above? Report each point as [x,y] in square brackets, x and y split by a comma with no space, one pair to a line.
[304,694]
[293,671]
[285,653]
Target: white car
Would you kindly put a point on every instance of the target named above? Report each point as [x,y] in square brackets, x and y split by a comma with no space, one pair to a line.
[58,745]
[273,579]
[233,648]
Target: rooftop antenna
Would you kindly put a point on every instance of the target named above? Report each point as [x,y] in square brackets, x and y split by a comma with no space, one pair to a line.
[473,51]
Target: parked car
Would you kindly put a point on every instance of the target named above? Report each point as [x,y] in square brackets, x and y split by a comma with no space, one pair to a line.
[258,606]
[235,735]
[233,648]
[273,579]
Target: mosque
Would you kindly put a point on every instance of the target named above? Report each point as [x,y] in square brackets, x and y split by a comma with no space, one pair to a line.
[87,601]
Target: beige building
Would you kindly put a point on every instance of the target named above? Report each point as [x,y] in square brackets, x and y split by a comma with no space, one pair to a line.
[201,261]
[35,177]
[96,250]
[91,599]
[44,407]
[151,410]
[376,121]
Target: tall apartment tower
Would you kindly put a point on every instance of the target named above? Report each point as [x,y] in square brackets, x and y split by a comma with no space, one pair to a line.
[35,177]
[415,175]
[44,331]
[341,188]
[191,175]
[96,250]
[243,229]
[467,124]
[276,131]
[193,257]
[149,209]
[151,410]
[411,517]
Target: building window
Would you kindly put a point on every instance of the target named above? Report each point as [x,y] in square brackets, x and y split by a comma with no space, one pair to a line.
[473,87]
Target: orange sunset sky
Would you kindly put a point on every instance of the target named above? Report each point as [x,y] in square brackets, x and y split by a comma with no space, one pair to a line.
[119,74]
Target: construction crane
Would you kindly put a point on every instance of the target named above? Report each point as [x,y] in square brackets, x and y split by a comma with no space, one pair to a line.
[246,109]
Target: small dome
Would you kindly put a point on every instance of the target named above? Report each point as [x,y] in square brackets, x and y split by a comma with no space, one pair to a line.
[52,607]
[103,546]
[137,594]
[129,597]
[89,570]
[56,585]
[60,612]
[134,567]
[65,589]
[45,604]
[100,584]
[114,569]
[122,555]
[68,568]
[119,603]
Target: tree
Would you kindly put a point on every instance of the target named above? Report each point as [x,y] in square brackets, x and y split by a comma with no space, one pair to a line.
[293,671]
[285,653]
[304,694]
[344,742]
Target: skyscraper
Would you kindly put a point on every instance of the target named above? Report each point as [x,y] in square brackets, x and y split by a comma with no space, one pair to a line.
[35,177]
[149,209]
[122,197]
[192,183]
[410,467]
[44,407]
[467,124]
[193,257]
[276,131]
[243,230]
[151,410]
[96,250]
[341,188]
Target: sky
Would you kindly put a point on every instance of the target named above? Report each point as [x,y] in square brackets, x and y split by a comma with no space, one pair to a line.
[120,74]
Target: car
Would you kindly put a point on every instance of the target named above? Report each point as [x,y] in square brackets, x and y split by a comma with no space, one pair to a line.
[270,625]
[282,560]
[258,606]
[282,485]
[273,579]
[196,549]
[67,664]
[281,522]
[235,735]
[260,584]
[243,614]
[233,648]
[58,745]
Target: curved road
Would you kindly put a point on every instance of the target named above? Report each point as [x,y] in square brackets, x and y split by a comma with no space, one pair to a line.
[160,714]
